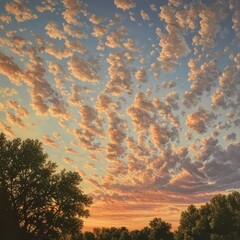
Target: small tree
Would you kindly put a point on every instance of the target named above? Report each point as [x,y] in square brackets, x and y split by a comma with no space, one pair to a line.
[45,204]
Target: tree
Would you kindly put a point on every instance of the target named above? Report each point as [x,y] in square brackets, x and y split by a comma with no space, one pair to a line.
[234,205]
[46,204]
[221,217]
[160,230]
[202,229]
[88,236]
[135,235]
[8,222]
[217,220]
[187,224]
[124,235]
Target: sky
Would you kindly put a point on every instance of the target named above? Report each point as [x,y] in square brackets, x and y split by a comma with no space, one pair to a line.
[141,97]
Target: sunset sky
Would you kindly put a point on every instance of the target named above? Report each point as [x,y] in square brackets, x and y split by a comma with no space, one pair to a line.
[141,97]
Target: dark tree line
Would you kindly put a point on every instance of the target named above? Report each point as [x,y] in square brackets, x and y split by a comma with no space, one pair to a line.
[157,230]
[39,203]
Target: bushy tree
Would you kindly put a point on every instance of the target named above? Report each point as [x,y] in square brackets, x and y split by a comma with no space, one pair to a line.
[45,204]
[187,223]
[217,220]
[160,230]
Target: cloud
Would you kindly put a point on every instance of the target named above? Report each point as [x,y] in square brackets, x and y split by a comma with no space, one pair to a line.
[222,170]
[230,137]
[70,150]
[203,78]
[227,95]
[141,75]
[76,98]
[117,133]
[144,15]
[129,56]
[83,70]
[19,45]
[236,23]
[38,104]
[95,19]
[218,99]
[6,129]
[90,165]
[175,3]
[167,107]
[130,45]
[10,69]
[20,12]
[73,32]
[200,120]
[99,31]
[173,44]
[53,31]
[58,109]
[115,37]
[14,120]
[162,135]
[90,121]
[124,4]
[120,76]
[58,53]
[153,7]
[48,141]
[55,68]
[73,10]
[91,128]
[44,98]
[141,112]
[237,58]
[40,43]
[49,5]
[5,18]
[57,135]
[8,92]
[106,104]
[68,160]
[22,112]
[229,80]
[75,47]
[209,27]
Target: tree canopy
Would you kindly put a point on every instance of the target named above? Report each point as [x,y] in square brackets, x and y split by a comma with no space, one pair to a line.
[36,201]
[218,219]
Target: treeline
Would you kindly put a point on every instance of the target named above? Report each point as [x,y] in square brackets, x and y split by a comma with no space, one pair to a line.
[218,219]
[158,229]
[39,203]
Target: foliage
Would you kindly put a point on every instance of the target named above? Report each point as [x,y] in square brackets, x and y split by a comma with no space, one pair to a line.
[160,230]
[38,202]
[217,220]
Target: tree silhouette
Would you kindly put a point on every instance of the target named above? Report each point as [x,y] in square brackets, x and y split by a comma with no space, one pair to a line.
[39,202]
[217,220]
[160,230]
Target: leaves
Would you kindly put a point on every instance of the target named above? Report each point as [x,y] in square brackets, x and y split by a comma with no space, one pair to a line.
[218,219]
[46,204]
